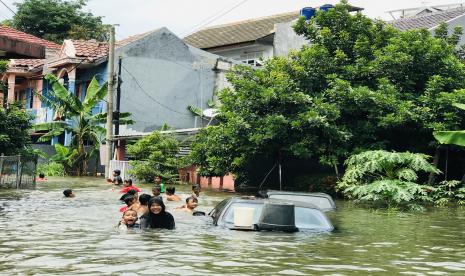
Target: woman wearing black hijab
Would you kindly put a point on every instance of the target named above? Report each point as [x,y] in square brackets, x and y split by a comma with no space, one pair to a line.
[157,216]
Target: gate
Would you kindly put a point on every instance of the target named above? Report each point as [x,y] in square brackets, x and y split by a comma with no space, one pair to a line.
[17,172]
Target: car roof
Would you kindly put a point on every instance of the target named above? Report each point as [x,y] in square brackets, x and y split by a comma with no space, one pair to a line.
[309,195]
[272,200]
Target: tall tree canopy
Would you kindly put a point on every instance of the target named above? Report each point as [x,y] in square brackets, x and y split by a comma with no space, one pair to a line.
[57,20]
[360,84]
[15,124]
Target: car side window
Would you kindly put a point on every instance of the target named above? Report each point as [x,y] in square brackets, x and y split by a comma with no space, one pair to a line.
[216,211]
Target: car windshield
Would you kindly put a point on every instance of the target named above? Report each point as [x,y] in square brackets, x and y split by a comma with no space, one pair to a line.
[308,218]
[305,218]
[319,201]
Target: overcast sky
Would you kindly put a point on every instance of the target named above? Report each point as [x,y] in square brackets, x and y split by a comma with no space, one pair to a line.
[185,16]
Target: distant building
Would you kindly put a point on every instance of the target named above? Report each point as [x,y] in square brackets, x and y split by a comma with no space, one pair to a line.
[251,41]
[432,19]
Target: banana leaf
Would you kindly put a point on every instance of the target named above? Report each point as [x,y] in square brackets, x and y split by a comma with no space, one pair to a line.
[451,137]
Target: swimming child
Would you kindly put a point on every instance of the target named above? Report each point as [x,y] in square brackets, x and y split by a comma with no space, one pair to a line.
[170,196]
[156,191]
[157,216]
[41,178]
[69,193]
[196,190]
[158,180]
[128,186]
[117,180]
[143,208]
[128,220]
[130,199]
[191,204]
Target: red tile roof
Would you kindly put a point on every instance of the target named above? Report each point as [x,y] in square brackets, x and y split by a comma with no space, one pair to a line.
[30,63]
[20,36]
[90,49]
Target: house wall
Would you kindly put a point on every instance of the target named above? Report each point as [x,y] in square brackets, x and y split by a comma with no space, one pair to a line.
[286,40]
[162,76]
[190,176]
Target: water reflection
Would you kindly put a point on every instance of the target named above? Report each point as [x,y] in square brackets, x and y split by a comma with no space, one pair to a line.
[42,232]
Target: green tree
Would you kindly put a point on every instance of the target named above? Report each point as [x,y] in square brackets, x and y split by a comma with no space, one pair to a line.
[57,20]
[360,85]
[15,124]
[155,154]
[76,117]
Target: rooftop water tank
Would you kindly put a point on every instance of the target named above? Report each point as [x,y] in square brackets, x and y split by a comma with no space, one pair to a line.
[308,12]
[326,7]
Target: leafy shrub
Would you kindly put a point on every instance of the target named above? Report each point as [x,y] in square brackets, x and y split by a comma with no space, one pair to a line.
[447,192]
[390,178]
[51,169]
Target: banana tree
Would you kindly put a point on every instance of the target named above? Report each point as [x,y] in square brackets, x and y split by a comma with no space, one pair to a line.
[75,117]
[452,137]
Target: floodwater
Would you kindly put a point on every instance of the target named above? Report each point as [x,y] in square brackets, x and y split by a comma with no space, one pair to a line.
[42,233]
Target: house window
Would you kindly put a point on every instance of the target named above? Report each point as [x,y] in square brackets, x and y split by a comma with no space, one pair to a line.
[254,59]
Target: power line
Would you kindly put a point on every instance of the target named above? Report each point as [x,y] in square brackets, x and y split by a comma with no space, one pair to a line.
[152,98]
[207,21]
[1,1]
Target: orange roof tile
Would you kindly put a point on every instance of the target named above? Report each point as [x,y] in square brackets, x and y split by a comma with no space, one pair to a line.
[20,36]
[30,63]
[90,49]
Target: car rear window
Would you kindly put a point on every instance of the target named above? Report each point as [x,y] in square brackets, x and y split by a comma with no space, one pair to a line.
[229,217]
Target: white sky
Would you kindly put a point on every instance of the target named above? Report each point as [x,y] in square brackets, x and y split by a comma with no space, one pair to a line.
[185,16]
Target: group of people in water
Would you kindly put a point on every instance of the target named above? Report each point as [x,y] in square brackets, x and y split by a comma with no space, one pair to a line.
[149,211]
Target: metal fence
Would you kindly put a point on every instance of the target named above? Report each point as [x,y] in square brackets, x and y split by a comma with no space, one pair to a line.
[17,172]
[123,166]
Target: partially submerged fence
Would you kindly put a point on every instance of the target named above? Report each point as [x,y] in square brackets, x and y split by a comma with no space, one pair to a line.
[123,166]
[17,172]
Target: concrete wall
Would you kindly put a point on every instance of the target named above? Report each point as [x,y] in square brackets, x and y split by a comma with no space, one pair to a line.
[285,39]
[162,76]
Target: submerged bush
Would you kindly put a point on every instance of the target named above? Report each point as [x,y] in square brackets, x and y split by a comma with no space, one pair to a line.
[390,178]
[51,169]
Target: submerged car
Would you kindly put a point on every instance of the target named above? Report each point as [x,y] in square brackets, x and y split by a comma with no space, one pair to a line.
[256,214]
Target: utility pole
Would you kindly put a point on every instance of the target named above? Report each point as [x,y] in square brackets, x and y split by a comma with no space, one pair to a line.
[109,125]
[118,96]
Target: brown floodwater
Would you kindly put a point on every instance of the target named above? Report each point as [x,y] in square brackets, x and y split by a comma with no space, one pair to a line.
[43,233]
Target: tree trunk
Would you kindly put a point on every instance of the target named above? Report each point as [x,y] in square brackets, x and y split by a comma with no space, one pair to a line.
[437,155]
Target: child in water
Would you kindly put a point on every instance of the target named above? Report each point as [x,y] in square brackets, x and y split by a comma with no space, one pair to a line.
[128,186]
[170,196]
[41,178]
[156,191]
[158,180]
[196,190]
[128,220]
[191,204]
[68,193]
[117,180]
